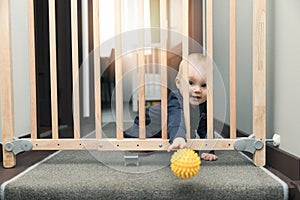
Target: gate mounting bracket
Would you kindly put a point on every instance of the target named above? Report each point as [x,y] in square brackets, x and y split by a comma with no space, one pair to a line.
[18,145]
[249,144]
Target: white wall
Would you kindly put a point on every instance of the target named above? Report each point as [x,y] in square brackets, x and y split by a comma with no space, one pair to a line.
[20,66]
[285,32]
[175,20]
[283,66]
[20,61]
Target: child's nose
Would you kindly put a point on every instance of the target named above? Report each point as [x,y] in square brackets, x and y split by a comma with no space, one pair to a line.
[197,88]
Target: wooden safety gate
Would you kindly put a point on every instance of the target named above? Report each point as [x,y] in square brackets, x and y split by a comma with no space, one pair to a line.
[121,143]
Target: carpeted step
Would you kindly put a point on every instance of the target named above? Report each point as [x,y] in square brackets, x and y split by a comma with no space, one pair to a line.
[102,175]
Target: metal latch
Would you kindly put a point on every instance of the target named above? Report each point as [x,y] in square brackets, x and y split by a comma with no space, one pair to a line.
[249,144]
[18,146]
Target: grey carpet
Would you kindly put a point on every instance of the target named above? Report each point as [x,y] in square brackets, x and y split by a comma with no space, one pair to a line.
[80,175]
[102,175]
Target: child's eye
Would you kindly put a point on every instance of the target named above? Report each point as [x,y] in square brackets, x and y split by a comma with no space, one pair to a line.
[203,85]
[191,82]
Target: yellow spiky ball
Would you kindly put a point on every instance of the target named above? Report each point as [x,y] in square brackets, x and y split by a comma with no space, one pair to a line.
[185,163]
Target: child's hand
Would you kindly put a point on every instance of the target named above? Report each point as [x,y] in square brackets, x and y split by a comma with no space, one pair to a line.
[209,156]
[178,143]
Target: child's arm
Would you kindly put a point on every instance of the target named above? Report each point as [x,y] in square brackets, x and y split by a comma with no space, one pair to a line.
[178,143]
[176,126]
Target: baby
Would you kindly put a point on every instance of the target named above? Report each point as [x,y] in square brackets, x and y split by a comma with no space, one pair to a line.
[198,65]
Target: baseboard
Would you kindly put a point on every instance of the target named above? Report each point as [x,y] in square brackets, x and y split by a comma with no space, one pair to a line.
[1,154]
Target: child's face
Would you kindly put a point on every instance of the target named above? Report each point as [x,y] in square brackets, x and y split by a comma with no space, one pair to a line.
[197,87]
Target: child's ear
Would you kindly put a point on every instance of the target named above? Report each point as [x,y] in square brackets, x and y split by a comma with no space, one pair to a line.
[177,81]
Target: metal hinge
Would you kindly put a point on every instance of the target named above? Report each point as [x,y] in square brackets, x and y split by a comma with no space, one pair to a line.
[131,158]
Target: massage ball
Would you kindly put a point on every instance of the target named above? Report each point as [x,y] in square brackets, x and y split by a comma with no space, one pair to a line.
[185,163]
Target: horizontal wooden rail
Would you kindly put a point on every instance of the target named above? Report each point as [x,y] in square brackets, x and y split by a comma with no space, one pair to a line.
[128,144]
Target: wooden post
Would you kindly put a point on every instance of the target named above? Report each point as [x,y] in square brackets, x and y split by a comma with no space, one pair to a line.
[232,82]
[32,64]
[97,68]
[259,78]
[6,80]
[209,51]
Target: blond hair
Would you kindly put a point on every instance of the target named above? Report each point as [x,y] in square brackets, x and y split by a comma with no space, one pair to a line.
[196,60]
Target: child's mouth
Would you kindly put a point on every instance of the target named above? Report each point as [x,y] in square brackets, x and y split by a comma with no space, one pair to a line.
[196,97]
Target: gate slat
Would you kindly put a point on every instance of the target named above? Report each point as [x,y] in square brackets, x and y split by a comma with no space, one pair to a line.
[53,69]
[232,70]
[185,69]
[31,48]
[209,42]
[163,67]
[141,71]
[75,67]
[118,70]
[97,68]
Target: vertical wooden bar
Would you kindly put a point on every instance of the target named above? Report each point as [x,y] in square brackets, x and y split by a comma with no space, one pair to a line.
[53,70]
[97,68]
[209,43]
[163,67]
[259,77]
[75,69]
[85,68]
[185,69]
[118,70]
[141,71]
[204,26]
[232,82]
[6,81]
[32,65]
